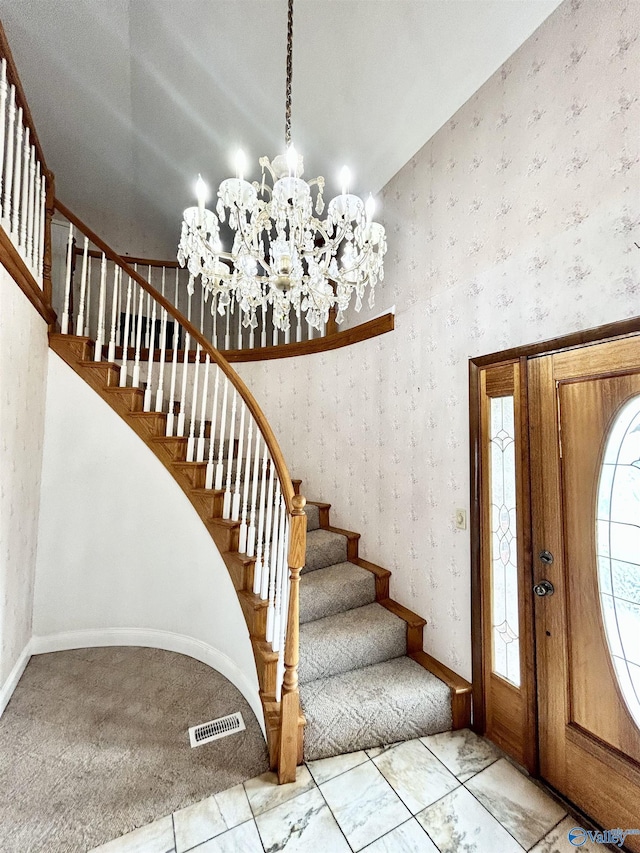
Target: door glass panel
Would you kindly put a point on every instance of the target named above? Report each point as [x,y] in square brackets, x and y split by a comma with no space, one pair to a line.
[504,551]
[618,548]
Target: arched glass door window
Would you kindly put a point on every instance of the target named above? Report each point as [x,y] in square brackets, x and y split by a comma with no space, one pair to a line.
[618,550]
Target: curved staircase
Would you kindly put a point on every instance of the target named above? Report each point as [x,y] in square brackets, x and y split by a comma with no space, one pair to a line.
[364,679]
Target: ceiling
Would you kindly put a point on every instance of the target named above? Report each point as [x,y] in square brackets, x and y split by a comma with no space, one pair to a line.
[132,98]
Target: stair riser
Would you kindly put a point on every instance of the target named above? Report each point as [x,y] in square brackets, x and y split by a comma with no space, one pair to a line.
[103,373]
[209,504]
[227,539]
[170,449]
[255,617]
[124,400]
[240,569]
[192,474]
[149,424]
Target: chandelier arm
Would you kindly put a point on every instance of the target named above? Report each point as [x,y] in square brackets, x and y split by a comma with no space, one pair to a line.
[257,257]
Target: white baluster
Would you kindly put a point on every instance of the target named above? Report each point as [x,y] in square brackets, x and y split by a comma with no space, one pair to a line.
[43,213]
[119,309]
[298,325]
[194,408]
[266,558]
[242,547]
[3,119]
[274,335]
[223,425]
[203,411]
[226,504]
[24,196]
[287,334]
[251,532]
[208,484]
[102,304]
[277,609]
[252,338]
[87,310]
[147,336]
[163,355]
[239,341]
[227,335]
[263,330]
[64,325]
[174,365]
[235,505]
[83,289]
[202,310]
[309,332]
[185,372]
[8,178]
[125,337]
[37,203]
[30,204]
[111,352]
[16,175]
[262,503]
[150,357]
[273,565]
[135,382]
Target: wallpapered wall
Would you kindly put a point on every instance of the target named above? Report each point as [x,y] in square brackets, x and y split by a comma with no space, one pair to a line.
[514,223]
[23,371]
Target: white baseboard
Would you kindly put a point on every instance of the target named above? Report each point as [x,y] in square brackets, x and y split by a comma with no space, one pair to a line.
[6,690]
[153,639]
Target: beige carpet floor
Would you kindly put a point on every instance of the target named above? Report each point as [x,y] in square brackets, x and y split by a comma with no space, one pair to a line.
[94,743]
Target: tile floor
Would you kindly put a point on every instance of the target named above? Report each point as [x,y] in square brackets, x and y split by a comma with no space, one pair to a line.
[452,792]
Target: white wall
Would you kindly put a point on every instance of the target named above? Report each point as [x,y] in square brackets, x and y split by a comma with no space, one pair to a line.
[123,557]
[514,223]
[23,366]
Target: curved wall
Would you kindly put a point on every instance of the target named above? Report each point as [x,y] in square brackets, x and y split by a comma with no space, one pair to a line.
[123,558]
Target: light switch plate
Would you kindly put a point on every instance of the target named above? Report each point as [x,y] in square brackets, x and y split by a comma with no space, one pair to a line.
[461,519]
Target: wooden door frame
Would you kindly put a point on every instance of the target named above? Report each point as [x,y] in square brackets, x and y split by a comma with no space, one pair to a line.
[609,332]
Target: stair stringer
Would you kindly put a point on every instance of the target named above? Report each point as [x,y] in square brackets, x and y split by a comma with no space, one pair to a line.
[103,377]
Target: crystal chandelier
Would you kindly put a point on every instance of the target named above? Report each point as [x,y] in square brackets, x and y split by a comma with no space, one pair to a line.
[283,254]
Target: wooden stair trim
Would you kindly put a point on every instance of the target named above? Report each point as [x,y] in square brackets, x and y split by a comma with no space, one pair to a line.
[382,576]
[415,623]
[352,540]
[461,689]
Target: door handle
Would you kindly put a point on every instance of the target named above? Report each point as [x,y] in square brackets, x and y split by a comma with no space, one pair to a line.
[544,588]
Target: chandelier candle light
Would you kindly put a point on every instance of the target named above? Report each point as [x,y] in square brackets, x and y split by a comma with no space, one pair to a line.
[283,255]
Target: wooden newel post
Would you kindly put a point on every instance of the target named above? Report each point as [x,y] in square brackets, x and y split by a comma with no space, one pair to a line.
[290,702]
[47,287]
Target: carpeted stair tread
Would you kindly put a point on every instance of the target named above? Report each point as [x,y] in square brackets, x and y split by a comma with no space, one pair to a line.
[313,517]
[374,706]
[350,640]
[335,589]
[324,548]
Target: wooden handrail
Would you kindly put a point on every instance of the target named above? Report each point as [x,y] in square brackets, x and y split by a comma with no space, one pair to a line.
[263,424]
[21,100]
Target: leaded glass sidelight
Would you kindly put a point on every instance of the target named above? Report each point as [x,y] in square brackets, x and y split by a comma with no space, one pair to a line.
[618,550]
[504,543]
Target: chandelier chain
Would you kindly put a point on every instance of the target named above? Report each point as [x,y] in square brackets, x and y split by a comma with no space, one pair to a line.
[287,114]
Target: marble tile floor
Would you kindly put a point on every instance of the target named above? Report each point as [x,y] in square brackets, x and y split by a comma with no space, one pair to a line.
[452,792]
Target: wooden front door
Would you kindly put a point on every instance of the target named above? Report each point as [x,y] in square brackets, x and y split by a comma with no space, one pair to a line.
[585,477]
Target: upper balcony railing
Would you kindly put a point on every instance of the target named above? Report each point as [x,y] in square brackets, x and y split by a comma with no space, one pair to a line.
[24,177]
[225,331]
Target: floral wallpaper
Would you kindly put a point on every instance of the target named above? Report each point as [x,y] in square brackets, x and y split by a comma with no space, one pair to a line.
[514,223]
[23,372]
